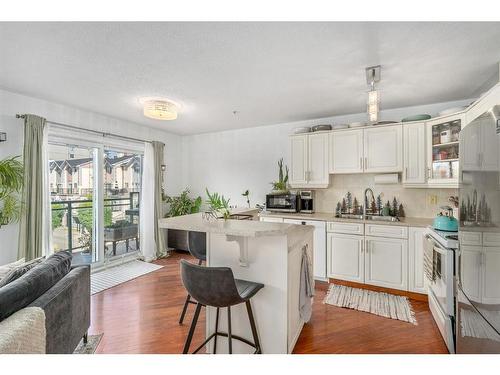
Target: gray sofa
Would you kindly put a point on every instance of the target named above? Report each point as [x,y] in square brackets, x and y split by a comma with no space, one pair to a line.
[62,291]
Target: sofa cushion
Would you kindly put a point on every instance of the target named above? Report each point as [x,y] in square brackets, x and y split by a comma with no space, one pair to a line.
[6,268]
[24,290]
[17,272]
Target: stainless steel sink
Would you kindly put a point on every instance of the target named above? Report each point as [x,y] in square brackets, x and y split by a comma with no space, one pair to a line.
[369,217]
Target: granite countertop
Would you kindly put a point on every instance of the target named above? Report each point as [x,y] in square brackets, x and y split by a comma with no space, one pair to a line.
[243,228]
[328,216]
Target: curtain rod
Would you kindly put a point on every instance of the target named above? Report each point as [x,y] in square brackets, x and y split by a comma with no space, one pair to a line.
[91,131]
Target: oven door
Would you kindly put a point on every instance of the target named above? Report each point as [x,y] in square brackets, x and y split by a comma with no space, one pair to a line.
[439,270]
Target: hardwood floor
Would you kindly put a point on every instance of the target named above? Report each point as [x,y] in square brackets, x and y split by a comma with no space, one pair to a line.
[141,316]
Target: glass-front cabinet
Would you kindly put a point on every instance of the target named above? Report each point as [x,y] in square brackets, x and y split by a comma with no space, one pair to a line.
[443,150]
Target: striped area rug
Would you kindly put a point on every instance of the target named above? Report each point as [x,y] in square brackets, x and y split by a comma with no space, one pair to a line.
[378,303]
[116,275]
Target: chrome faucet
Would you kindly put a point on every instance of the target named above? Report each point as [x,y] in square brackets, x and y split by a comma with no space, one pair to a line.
[365,207]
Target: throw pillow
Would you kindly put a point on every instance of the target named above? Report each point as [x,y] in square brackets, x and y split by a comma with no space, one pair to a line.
[5,269]
[19,271]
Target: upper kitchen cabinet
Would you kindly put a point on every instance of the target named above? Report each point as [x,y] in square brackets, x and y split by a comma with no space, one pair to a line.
[309,156]
[480,152]
[414,162]
[443,151]
[346,151]
[383,149]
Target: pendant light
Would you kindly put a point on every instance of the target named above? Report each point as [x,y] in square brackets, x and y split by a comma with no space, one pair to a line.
[373,76]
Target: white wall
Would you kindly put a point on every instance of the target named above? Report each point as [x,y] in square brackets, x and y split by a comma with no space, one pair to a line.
[11,103]
[230,162]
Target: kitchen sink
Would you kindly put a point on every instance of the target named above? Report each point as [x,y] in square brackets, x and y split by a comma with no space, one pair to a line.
[368,217]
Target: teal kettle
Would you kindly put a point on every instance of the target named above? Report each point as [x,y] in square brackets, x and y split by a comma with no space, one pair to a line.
[446,221]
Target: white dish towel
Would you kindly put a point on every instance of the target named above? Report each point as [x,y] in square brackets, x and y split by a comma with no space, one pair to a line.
[306,286]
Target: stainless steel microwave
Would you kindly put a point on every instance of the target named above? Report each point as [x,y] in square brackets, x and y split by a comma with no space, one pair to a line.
[282,202]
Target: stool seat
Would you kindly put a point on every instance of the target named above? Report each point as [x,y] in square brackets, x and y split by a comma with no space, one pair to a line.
[217,287]
[247,289]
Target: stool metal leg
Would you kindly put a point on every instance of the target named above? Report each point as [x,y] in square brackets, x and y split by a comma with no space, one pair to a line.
[254,328]
[192,328]
[216,329]
[229,338]
[184,309]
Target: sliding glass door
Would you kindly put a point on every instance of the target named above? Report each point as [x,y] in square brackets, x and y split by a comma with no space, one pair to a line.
[122,171]
[73,196]
[95,193]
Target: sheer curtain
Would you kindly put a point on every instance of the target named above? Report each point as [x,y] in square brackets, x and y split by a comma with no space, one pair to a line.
[152,238]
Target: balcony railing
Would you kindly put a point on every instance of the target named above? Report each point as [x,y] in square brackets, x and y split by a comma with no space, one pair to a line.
[67,211]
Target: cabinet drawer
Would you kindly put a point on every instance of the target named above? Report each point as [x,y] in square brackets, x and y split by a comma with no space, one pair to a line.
[471,238]
[491,239]
[392,231]
[347,228]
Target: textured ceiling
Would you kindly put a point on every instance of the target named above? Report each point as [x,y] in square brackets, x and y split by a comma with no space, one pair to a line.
[268,72]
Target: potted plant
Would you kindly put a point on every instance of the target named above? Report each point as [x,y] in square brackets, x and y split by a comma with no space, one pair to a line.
[178,206]
[11,183]
[281,186]
[121,230]
[219,206]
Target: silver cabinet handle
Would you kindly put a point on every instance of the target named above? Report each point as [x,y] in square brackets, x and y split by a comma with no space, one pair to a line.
[406,173]
[429,173]
[361,162]
[366,162]
[362,245]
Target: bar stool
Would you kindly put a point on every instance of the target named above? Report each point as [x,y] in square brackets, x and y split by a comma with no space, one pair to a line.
[197,246]
[217,287]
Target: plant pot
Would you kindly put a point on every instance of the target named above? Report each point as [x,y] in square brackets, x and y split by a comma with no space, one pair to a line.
[178,239]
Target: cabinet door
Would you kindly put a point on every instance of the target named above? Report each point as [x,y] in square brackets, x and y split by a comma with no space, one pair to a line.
[414,154]
[489,145]
[317,171]
[345,257]
[417,282]
[470,271]
[491,275]
[298,167]
[386,262]
[346,151]
[383,149]
[470,147]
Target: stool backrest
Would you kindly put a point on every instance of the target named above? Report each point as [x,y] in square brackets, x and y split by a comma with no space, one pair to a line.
[197,244]
[211,286]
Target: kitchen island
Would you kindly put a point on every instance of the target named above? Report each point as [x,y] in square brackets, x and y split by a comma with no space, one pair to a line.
[268,253]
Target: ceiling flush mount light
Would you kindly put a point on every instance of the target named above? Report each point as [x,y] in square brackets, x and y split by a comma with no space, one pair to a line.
[373,76]
[160,109]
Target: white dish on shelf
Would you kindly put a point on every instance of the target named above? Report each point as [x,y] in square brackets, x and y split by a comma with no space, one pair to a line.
[302,129]
[452,110]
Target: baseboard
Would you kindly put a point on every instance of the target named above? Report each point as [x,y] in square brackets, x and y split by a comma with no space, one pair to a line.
[411,295]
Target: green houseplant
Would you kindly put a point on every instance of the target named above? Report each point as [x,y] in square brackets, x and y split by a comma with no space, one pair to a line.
[219,206]
[281,186]
[11,183]
[180,205]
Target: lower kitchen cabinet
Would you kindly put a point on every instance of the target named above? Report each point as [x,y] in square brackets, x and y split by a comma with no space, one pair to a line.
[417,282]
[345,257]
[272,219]
[386,262]
[491,276]
[470,272]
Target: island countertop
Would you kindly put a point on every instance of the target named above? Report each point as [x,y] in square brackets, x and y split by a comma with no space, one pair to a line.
[243,228]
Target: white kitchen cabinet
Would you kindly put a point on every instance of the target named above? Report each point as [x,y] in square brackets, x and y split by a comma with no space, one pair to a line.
[471,271]
[491,277]
[443,154]
[317,164]
[383,149]
[309,161]
[298,167]
[417,282]
[386,262]
[480,152]
[415,166]
[346,151]
[345,257]
[471,150]
[319,243]
[271,219]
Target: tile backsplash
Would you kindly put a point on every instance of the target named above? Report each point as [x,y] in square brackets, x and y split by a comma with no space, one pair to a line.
[416,202]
